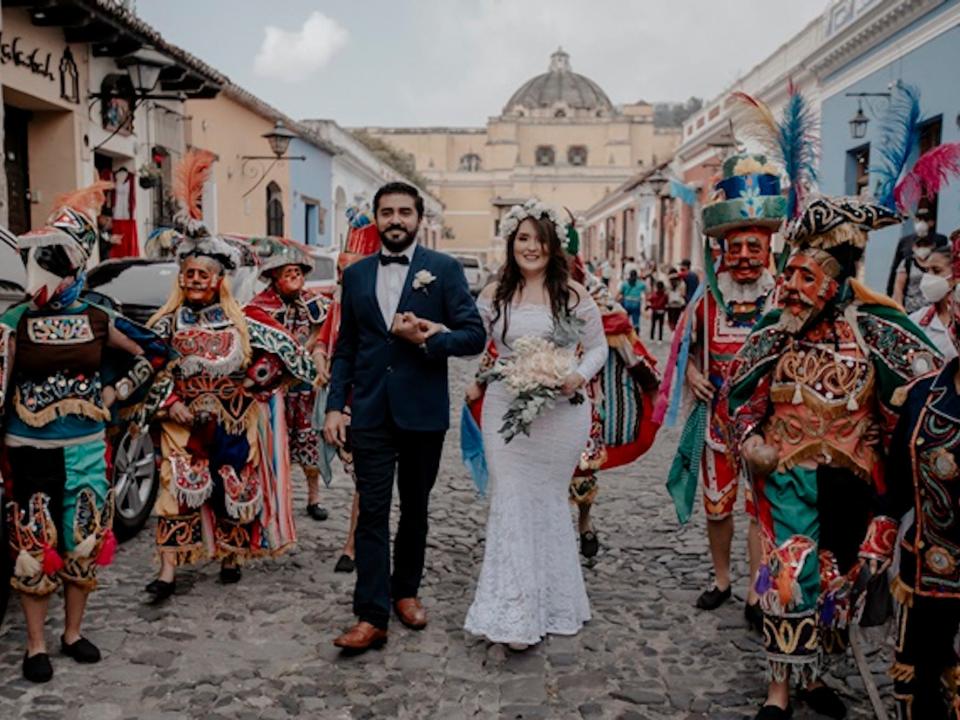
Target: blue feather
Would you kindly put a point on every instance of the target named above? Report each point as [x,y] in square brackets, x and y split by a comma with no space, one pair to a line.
[798,149]
[900,132]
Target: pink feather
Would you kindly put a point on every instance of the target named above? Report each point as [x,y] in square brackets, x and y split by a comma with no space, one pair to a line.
[929,175]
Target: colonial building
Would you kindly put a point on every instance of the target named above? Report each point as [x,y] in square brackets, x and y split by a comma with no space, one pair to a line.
[559,137]
[90,91]
[357,173]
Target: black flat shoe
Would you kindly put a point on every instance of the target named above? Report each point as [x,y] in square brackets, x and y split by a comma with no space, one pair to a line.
[825,701]
[772,712]
[345,564]
[713,598]
[754,616]
[37,668]
[160,590]
[230,575]
[82,650]
[589,544]
[317,512]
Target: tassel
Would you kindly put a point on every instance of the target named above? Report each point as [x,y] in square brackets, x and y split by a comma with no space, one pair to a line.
[86,547]
[52,563]
[784,591]
[797,395]
[108,549]
[27,565]
[852,404]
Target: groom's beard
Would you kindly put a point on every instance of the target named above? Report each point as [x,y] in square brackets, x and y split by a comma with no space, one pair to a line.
[397,245]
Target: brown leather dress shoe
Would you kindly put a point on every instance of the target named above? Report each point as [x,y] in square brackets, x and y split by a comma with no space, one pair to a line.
[361,637]
[411,613]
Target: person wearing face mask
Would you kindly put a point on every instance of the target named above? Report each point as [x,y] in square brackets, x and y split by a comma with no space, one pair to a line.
[65,366]
[922,228]
[906,288]
[923,475]
[810,397]
[225,476]
[935,285]
[302,312]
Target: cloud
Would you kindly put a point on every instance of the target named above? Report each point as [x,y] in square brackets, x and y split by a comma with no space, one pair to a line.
[294,56]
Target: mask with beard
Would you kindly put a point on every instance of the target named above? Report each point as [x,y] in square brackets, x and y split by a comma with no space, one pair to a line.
[200,279]
[806,290]
[746,253]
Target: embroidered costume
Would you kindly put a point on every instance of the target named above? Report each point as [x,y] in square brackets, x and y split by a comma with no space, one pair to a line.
[302,314]
[922,476]
[745,210]
[225,475]
[58,356]
[810,404]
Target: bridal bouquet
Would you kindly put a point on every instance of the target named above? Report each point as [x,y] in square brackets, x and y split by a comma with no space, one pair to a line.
[534,375]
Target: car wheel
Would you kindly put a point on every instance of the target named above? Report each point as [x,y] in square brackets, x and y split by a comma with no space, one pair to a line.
[135,483]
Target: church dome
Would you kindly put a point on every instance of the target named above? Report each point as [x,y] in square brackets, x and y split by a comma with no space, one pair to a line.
[558,93]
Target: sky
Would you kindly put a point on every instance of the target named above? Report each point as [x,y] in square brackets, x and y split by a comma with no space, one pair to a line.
[456,62]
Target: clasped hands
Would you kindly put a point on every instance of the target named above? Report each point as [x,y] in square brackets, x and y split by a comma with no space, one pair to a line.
[413,329]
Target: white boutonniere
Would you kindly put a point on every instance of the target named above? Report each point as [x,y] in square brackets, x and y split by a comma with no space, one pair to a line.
[422,279]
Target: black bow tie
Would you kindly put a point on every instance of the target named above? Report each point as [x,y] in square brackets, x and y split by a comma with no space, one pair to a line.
[394,259]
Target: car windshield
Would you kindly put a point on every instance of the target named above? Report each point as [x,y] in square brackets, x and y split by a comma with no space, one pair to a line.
[12,275]
[323,270]
[137,283]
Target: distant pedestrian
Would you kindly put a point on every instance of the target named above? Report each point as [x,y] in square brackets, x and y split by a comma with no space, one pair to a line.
[690,279]
[631,297]
[657,304]
[676,298]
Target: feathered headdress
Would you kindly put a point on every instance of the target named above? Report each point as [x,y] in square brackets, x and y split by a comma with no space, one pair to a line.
[900,131]
[191,175]
[72,224]
[930,174]
[791,143]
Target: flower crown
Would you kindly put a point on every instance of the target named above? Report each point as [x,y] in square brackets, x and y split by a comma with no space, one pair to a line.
[532,208]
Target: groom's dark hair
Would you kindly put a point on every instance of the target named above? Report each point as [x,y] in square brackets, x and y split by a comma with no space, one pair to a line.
[399,188]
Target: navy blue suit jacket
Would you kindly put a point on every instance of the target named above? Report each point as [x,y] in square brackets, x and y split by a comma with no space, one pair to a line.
[382,377]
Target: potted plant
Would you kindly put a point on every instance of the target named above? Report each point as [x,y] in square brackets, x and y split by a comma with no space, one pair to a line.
[149,175]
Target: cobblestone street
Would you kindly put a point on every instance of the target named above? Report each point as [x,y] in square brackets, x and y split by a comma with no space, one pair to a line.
[263,649]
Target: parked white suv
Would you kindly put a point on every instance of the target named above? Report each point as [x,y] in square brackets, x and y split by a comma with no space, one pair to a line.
[473,269]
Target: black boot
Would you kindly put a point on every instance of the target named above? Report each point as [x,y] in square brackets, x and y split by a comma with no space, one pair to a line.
[37,668]
[825,701]
[160,590]
[754,616]
[82,650]
[713,598]
[772,712]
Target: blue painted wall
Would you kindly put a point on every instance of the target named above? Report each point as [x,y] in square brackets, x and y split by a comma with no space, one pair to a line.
[310,181]
[935,69]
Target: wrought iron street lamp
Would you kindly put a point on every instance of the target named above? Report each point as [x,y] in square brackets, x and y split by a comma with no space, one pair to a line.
[279,139]
[859,122]
[144,68]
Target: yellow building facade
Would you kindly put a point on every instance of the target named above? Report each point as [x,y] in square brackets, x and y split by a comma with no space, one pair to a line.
[558,138]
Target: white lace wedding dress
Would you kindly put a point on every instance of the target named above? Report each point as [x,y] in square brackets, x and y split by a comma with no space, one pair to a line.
[530,583]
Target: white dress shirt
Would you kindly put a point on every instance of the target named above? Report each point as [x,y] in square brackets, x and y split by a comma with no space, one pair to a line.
[929,321]
[390,282]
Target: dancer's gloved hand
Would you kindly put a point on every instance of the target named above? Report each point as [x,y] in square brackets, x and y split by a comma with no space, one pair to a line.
[762,459]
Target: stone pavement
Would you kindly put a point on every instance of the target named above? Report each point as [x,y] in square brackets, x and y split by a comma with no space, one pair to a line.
[262,649]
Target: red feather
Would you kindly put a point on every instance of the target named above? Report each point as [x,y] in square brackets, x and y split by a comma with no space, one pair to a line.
[87,200]
[192,173]
[931,173]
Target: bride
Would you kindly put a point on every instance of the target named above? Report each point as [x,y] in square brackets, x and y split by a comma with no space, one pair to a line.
[530,583]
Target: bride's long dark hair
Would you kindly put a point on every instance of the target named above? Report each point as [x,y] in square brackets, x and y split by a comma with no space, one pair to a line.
[511,282]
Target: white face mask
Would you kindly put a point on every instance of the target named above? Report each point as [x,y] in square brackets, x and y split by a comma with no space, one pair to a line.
[922,253]
[934,287]
[922,228]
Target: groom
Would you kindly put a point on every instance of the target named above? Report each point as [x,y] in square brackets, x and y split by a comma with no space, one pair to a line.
[404,312]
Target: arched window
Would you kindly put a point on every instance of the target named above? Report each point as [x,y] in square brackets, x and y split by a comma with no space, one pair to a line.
[470,162]
[274,210]
[577,155]
[545,155]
